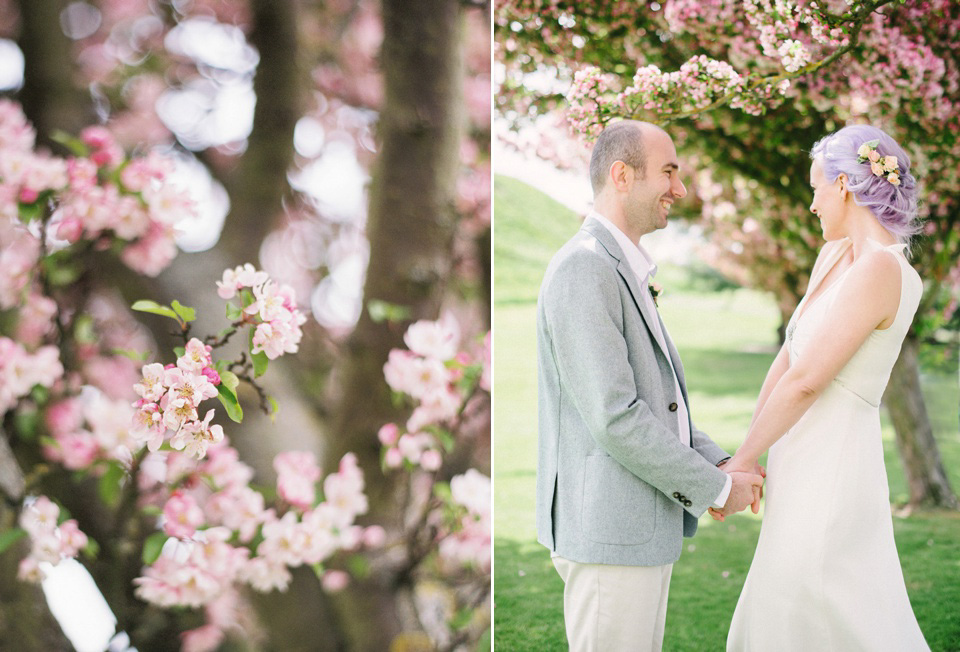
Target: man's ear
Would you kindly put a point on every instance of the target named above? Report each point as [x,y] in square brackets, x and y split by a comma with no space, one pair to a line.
[620,175]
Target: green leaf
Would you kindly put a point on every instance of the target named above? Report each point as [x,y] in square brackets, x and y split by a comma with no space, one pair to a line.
[260,360]
[234,312]
[145,305]
[230,403]
[186,313]
[40,394]
[111,483]
[10,537]
[445,438]
[442,491]
[153,546]
[30,212]
[61,271]
[26,423]
[179,351]
[136,356]
[83,330]
[274,408]
[358,566]
[92,549]
[246,297]
[230,379]
[76,146]
[151,510]
[381,311]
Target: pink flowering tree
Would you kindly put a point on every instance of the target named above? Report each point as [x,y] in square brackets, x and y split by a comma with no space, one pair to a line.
[140,385]
[746,89]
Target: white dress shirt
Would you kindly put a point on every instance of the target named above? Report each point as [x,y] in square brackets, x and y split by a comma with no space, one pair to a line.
[644,270]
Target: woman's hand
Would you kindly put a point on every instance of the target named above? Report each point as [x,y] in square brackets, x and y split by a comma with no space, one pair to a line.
[745,465]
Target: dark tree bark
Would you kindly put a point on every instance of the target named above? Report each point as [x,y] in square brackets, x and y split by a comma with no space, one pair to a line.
[926,478]
[259,184]
[411,227]
[49,96]
[26,623]
[25,620]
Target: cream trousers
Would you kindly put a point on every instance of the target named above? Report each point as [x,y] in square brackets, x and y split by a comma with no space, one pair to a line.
[610,608]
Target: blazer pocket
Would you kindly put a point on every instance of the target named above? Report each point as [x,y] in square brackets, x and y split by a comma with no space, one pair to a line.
[618,507]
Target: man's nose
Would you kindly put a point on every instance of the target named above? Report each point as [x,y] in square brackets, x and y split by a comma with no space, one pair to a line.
[679,190]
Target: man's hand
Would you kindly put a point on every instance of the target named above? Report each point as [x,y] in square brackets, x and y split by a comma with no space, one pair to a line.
[734,464]
[745,490]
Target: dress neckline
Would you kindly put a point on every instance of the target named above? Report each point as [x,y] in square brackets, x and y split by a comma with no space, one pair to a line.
[842,250]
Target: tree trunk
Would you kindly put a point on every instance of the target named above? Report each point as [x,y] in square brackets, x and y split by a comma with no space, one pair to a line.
[25,619]
[258,185]
[26,623]
[411,227]
[49,96]
[929,486]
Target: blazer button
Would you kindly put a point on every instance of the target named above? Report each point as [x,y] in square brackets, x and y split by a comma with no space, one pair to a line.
[687,503]
[673,407]
[676,494]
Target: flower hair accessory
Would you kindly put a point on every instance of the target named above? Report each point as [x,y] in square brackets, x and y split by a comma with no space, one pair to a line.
[882,166]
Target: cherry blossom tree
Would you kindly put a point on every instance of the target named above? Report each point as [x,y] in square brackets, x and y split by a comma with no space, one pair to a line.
[746,89]
[204,525]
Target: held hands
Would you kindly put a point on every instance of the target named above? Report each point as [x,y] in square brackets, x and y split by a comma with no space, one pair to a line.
[747,487]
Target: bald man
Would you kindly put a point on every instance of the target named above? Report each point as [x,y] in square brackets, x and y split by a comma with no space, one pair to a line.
[622,474]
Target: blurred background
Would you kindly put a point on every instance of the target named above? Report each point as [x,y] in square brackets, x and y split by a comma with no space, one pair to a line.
[344,148]
[734,260]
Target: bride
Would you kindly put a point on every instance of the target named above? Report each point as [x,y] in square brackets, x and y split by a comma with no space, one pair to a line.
[825,575]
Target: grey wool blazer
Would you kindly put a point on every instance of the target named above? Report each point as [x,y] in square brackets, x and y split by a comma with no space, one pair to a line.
[615,485]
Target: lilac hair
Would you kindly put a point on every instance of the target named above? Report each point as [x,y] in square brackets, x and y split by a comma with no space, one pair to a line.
[895,207]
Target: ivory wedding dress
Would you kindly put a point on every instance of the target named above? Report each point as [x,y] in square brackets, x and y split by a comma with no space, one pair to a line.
[825,575]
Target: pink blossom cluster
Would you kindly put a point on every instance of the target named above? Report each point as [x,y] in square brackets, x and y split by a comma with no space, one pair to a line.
[50,543]
[139,206]
[696,85]
[428,372]
[271,306]
[169,400]
[24,173]
[88,428]
[193,573]
[585,100]
[99,195]
[216,518]
[469,542]
[19,252]
[780,33]
[21,370]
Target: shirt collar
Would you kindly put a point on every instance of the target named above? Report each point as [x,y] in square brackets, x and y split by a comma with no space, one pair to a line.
[637,257]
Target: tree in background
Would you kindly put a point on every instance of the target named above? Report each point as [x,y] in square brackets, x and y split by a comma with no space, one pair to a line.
[747,88]
[273,101]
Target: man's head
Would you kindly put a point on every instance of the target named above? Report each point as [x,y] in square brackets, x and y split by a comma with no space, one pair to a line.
[634,174]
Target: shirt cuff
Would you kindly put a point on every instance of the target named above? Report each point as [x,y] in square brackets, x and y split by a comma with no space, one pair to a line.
[722,498]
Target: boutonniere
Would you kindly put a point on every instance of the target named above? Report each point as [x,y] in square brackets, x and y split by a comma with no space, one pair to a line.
[655,291]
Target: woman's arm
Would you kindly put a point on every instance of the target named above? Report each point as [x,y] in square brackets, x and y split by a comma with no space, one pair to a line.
[868,296]
[779,367]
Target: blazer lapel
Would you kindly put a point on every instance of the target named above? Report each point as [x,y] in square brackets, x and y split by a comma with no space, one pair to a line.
[605,238]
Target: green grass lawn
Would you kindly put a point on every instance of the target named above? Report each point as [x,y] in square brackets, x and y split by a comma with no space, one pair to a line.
[727,340]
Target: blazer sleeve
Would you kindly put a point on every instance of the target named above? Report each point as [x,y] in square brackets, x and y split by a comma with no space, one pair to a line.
[702,443]
[584,313]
